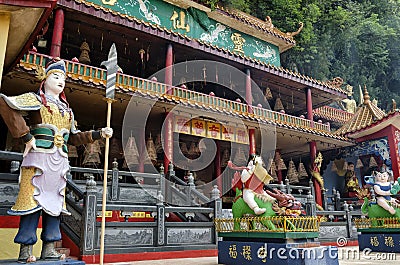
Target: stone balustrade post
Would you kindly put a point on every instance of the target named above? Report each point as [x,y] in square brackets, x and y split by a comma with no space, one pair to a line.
[88,236]
[114,193]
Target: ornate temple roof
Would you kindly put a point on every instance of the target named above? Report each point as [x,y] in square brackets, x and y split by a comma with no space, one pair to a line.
[367,114]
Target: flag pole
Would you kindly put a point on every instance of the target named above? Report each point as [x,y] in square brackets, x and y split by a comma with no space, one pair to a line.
[112,67]
[103,208]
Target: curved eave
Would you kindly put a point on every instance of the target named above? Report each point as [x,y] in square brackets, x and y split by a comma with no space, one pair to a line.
[26,20]
[254,28]
[392,118]
[280,40]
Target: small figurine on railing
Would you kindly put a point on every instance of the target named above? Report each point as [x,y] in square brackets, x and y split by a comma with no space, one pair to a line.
[45,159]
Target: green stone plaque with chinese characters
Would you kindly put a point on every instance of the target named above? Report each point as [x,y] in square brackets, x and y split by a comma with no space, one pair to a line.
[195,24]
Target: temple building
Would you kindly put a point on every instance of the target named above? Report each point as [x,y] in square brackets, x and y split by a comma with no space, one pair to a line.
[196,87]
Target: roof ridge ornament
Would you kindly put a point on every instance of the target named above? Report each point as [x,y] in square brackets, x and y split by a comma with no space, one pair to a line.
[292,34]
[366,95]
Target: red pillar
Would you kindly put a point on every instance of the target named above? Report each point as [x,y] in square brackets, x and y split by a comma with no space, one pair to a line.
[310,115]
[249,100]
[168,133]
[313,146]
[218,166]
[169,60]
[394,152]
[55,50]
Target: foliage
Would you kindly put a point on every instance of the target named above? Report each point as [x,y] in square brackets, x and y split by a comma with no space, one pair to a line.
[354,39]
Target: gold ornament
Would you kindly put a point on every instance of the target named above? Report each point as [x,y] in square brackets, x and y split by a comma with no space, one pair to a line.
[278,105]
[372,162]
[240,157]
[267,93]
[359,163]
[131,153]
[292,173]
[84,57]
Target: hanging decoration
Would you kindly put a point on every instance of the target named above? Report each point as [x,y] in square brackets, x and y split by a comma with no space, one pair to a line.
[292,174]
[278,105]
[141,53]
[359,163]
[240,157]
[92,154]
[339,166]
[151,151]
[148,53]
[205,74]
[302,171]
[272,171]
[72,151]
[267,93]
[84,57]
[126,46]
[131,153]
[280,164]
[192,150]
[292,100]
[101,42]
[372,162]
[334,167]
[345,165]
[225,157]
[184,149]
[158,144]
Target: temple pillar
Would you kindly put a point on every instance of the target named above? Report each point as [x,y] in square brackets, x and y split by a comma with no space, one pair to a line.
[394,151]
[168,127]
[249,100]
[313,146]
[217,163]
[55,50]
[4,27]
[169,60]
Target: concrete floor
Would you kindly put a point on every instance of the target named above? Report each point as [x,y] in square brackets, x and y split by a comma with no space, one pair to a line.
[347,256]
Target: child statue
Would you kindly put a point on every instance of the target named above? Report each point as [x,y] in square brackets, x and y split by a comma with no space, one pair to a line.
[383,191]
[45,158]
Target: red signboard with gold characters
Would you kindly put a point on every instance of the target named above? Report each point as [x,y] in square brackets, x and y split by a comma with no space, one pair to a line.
[214,130]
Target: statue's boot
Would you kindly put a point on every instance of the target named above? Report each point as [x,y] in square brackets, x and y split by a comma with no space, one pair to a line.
[257,210]
[49,252]
[25,254]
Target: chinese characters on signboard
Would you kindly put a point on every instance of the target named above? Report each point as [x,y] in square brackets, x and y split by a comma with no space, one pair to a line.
[214,130]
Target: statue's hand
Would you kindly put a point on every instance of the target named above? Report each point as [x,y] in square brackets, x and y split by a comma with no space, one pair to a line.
[29,145]
[106,132]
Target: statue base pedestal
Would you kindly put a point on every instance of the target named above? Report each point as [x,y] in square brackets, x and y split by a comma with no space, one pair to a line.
[278,248]
[379,239]
[46,262]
